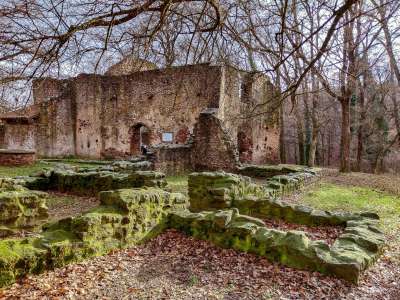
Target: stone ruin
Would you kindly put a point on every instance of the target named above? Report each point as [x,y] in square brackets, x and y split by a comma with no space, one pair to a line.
[11,157]
[20,207]
[226,209]
[191,118]
[133,208]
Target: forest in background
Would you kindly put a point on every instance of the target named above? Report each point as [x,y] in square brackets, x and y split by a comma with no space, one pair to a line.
[335,62]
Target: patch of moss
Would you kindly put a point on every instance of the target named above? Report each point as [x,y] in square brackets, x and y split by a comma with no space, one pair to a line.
[22,170]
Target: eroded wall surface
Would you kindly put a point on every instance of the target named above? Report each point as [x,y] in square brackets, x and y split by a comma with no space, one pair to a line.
[56,124]
[165,101]
[250,115]
[19,136]
[99,116]
[212,147]
[47,88]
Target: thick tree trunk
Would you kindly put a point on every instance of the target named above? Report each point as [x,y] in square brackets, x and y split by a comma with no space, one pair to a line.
[345,136]
[329,148]
[315,122]
[313,148]
[301,146]
[300,131]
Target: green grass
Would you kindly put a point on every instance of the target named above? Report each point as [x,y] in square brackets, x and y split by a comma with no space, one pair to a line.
[355,199]
[22,170]
[178,184]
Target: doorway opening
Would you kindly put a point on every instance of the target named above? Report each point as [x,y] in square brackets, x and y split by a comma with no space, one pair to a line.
[140,138]
[245,147]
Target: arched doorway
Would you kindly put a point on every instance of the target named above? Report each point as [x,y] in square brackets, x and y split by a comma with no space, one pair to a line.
[140,136]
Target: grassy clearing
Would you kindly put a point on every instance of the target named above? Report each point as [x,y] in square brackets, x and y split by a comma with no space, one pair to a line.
[22,170]
[329,196]
[356,197]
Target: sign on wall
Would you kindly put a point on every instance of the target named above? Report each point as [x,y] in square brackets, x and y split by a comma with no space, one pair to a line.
[167,137]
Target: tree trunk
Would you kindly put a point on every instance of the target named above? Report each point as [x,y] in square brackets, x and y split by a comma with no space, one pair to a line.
[282,130]
[313,148]
[300,131]
[282,147]
[360,137]
[345,136]
[315,122]
[395,106]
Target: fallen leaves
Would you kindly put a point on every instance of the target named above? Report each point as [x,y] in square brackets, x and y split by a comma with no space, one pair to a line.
[325,233]
[173,266]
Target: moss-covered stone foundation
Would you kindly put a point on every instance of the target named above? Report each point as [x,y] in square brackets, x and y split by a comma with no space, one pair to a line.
[20,207]
[355,250]
[223,209]
[269,171]
[350,254]
[125,217]
[88,182]
[216,190]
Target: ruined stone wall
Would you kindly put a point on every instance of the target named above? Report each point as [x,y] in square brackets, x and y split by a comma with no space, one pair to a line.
[56,125]
[262,104]
[173,159]
[168,100]
[89,96]
[17,157]
[97,116]
[46,88]
[212,147]
[250,115]
[19,136]
[230,101]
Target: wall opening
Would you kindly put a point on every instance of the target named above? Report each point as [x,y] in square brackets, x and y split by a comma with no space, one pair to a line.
[245,147]
[140,137]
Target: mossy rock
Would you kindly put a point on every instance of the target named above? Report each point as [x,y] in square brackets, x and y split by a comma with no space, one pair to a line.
[125,217]
[22,208]
[91,181]
[351,253]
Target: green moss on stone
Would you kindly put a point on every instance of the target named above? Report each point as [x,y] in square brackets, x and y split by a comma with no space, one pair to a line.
[126,217]
[353,252]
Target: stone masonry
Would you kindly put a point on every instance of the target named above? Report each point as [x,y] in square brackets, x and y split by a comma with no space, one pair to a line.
[113,115]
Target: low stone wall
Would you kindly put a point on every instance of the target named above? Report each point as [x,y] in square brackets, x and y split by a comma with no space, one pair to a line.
[268,171]
[173,159]
[355,250]
[20,207]
[223,208]
[89,182]
[125,217]
[216,190]
[219,190]
[209,192]
[17,157]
